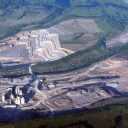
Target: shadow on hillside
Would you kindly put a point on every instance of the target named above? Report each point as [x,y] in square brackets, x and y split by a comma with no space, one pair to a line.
[12,115]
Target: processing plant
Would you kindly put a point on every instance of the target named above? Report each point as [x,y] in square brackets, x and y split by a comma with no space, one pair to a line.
[13,96]
[32,46]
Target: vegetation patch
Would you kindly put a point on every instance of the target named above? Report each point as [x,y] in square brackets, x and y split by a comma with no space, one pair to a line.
[80,59]
[17,72]
[111,116]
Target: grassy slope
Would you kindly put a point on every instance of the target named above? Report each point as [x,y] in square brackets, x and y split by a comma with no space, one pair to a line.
[105,117]
[18,15]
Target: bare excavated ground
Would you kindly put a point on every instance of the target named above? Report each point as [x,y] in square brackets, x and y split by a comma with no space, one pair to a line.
[84,87]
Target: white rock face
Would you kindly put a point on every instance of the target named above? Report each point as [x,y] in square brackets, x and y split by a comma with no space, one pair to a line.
[48,46]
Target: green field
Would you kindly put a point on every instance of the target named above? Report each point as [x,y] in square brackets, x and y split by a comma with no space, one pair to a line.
[110,15]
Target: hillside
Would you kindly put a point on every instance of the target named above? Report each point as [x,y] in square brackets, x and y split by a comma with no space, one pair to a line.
[110,16]
[110,116]
[82,58]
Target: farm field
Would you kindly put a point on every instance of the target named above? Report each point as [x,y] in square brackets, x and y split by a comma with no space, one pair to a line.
[109,18]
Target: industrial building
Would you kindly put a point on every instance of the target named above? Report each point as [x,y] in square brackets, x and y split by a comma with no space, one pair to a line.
[13,96]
